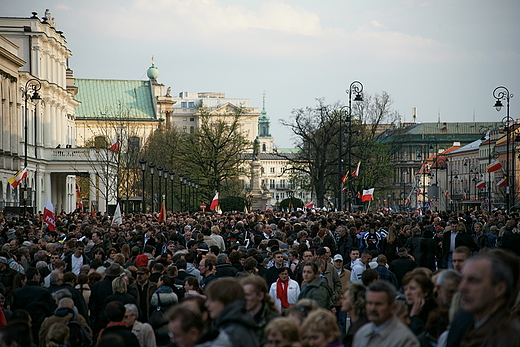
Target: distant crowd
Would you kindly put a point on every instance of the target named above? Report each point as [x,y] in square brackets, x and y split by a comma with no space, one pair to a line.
[319,279]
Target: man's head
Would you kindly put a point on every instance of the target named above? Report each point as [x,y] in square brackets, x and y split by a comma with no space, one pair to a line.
[459,256]
[115,311]
[446,286]
[186,325]
[381,259]
[222,293]
[488,282]
[80,247]
[366,257]
[354,254]
[142,275]
[307,256]
[338,261]
[278,258]
[380,302]
[256,292]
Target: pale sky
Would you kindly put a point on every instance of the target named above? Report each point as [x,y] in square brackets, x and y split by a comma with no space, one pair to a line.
[442,56]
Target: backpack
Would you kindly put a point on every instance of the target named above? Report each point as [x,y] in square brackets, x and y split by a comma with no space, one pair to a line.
[78,336]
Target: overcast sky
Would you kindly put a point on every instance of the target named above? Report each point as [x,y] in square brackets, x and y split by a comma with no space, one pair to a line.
[442,56]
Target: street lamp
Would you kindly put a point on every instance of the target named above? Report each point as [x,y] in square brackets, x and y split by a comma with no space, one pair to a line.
[152,169]
[196,196]
[486,136]
[181,202]
[356,90]
[159,174]
[502,93]
[454,175]
[29,91]
[142,162]
[172,177]
[165,176]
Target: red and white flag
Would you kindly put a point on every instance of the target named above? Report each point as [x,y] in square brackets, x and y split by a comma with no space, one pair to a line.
[18,178]
[309,205]
[118,217]
[162,212]
[481,184]
[214,202]
[115,146]
[78,191]
[356,170]
[48,215]
[502,182]
[368,195]
[493,166]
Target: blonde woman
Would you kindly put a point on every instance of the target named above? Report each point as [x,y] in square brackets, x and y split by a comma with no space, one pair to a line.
[215,234]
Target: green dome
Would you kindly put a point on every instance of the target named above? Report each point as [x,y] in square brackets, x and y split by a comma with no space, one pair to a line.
[152,72]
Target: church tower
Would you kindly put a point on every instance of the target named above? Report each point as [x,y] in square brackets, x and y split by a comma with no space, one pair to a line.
[264,132]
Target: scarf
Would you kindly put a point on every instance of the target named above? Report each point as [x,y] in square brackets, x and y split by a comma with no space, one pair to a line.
[281,291]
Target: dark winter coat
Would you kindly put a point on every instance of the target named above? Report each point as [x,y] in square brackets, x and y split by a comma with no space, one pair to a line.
[226,270]
[318,291]
[238,323]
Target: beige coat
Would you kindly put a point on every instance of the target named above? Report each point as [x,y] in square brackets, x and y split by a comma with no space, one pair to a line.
[395,334]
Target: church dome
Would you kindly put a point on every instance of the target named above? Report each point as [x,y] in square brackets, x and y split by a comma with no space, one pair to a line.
[152,72]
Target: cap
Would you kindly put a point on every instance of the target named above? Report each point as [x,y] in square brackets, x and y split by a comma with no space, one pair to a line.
[27,244]
[338,257]
[3,260]
[321,251]
[143,270]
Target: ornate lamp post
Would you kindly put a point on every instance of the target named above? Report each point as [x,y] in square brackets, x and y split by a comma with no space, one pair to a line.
[30,91]
[277,201]
[159,175]
[454,175]
[165,176]
[502,93]
[172,177]
[142,162]
[486,136]
[181,202]
[355,93]
[152,169]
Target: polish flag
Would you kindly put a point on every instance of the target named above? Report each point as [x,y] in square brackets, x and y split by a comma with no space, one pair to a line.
[344,178]
[118,217]
[18,178]
[162,212]
[214,202]
[481,184]
[493,166]
[502,182]
[78,191]
[356,170]
[115,146]
[309,205]
[368,195]
[48,215]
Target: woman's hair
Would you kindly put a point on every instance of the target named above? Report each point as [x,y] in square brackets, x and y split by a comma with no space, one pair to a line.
[192,281]
[423,280]
[17,282]
[357,293]
[119,285]
[260,286]
[119,259]
[100,251]
[57,335]
[286,327]
[215,230]
[93,278]
[225,290]
[301,309]
[125,250]
[392,234]
[323,321]
[132,308]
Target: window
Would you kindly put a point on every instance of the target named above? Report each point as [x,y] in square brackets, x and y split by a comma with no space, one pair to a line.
[134,144]
[271,170]
[272,184]
[184,104]
[192,129]
[282,184]
[191,104]
[281,170]
[264,148]
[282,196]
[185,129]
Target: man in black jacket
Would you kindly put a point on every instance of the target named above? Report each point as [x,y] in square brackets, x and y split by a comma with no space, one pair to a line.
[34,299]
[99,292]
[77,259]
[402,265]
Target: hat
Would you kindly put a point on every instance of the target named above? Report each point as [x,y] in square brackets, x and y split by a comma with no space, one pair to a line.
[113,270]
[3,260]
[321,251]
[143,270]
[338,257]
[27,243]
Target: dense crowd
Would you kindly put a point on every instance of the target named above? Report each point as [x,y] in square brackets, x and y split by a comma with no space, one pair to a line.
[304,278]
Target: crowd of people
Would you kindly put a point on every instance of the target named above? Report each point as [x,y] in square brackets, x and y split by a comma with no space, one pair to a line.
[302,278]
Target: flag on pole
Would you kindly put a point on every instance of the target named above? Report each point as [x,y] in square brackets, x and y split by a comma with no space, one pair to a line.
[358,195]
[214,202]
[481,184]
[48,215]
[118,217]
[78,191]
[162,212]
[345,178]
[493,166]
[502,182]
[92,210]
[309,205]
[356,170]
[368,195]
[115,146]
[17,179]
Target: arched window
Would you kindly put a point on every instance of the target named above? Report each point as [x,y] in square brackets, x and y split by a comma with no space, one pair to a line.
[264,148]
[134,144]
